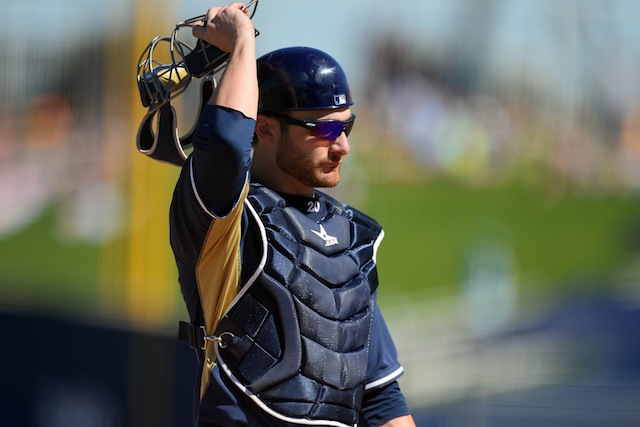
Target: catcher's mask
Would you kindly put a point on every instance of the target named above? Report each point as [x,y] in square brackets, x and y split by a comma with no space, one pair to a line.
[165,69]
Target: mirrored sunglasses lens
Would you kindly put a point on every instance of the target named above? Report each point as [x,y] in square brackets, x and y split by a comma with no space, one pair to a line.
[328,130]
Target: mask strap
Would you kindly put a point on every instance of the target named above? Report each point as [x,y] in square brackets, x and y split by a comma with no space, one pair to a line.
[166,145]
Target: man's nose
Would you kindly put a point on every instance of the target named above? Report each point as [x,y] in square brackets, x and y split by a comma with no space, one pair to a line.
[341,144]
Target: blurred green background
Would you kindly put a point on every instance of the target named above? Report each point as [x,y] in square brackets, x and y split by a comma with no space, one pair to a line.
[558,244]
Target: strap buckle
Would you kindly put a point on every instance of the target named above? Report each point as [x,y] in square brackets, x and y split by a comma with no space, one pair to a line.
[197,338]
[220,339]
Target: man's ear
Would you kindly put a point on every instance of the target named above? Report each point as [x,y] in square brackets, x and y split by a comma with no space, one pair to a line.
[266,128]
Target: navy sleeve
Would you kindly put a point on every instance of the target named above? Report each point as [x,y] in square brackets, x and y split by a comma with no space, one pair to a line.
[221,157]
[383,399]
[383,365]
[383,404]
[209,185]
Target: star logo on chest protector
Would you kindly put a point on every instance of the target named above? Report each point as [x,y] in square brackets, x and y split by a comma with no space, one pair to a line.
[328,240]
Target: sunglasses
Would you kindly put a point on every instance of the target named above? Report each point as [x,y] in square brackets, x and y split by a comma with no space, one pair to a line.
[325,129]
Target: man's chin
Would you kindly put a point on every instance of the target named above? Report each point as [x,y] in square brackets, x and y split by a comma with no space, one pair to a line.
[328,182]
[321,179]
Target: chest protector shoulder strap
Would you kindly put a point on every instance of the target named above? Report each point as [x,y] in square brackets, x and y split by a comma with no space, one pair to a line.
[297,335]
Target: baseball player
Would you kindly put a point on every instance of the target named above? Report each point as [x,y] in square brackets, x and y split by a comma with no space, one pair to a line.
[279,278]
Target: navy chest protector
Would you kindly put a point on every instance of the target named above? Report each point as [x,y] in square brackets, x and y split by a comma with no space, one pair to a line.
[296,339]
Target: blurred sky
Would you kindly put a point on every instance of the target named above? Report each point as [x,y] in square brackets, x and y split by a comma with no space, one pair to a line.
[523,34]
[549,37]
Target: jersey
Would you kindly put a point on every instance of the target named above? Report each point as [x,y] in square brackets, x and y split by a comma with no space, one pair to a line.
[209,238]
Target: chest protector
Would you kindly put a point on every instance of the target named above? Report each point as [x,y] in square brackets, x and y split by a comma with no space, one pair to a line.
[296,338]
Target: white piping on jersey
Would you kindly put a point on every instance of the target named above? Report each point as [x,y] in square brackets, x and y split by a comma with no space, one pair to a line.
[261,264]
[203,206]
[388,378]
[376,245]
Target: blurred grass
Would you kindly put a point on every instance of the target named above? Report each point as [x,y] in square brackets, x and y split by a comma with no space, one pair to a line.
[38,266]
[428,227]
[562,242]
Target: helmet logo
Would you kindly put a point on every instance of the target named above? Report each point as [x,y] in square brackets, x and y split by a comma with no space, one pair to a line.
[340,99]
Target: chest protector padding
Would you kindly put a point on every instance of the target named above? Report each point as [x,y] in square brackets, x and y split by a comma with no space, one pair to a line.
[301,329]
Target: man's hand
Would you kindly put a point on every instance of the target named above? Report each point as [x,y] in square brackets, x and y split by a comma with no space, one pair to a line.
[225,26]
[230,29]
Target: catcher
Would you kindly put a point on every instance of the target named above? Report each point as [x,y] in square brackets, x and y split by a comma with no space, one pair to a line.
[279,278]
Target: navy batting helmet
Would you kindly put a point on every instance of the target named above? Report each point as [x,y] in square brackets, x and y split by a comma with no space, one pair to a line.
[301,78]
